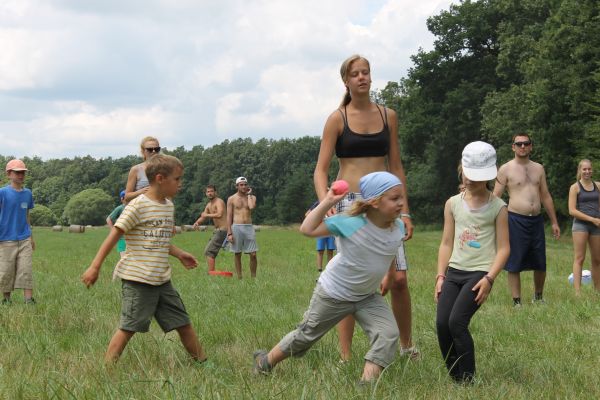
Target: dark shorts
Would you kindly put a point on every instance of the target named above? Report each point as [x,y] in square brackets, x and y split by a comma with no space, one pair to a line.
[326,243]
[215,243]
[141,302]
[527,243]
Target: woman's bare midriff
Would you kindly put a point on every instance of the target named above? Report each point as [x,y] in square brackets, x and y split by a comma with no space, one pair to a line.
[352,169]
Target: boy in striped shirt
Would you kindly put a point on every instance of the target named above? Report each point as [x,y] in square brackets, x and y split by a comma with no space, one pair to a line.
[148,222]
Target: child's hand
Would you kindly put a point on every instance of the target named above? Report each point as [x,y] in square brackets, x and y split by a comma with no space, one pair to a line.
[483,287]
[333,198]
[89,277]
[438,288]
[188,260]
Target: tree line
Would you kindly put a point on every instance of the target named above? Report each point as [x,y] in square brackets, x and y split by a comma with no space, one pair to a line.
[498,67]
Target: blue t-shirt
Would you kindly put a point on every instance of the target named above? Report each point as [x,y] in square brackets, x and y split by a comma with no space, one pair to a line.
[13,213]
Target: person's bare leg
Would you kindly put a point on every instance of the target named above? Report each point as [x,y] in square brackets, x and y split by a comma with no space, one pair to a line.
[514,284]
[276,356]
[117,345]
[580,240]
[329,255]
[189,339]
[401,307]
[253,264]
[7,295]
[210,261]
[371,372]
[345,332]
[28,293]
[539,277]
[238,264]
[319,260]
[594,242]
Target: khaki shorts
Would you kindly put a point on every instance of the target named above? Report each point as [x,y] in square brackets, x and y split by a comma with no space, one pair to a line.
[141,302]
[372,313]
[215,243]
[16,271]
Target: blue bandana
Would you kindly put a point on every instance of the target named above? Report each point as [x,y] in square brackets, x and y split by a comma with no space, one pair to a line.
[377,183]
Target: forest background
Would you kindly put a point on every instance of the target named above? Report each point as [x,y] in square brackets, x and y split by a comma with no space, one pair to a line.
[498,67]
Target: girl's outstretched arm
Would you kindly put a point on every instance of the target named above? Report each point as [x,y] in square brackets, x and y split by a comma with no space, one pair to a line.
[445,251]
[313,224]
[484,286]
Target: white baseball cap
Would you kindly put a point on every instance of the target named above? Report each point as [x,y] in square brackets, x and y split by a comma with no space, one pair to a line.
[479,161]
[241,179]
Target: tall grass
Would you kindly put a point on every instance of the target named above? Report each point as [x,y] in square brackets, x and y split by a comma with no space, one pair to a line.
[55,348]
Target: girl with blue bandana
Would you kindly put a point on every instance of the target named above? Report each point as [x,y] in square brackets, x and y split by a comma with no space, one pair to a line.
[368,238]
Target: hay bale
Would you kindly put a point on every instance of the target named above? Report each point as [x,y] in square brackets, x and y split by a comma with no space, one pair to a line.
[57,228]
[202,228]
[178,229]
[188,228]
[76,229]
[256,228]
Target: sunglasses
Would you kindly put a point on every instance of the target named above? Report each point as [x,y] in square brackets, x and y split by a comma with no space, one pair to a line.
[522,144]
[152,149]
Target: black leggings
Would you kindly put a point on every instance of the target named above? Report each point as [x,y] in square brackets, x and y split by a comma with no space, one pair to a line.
[456,306]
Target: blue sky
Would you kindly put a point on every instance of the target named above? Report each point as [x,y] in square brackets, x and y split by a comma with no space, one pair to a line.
[90,77]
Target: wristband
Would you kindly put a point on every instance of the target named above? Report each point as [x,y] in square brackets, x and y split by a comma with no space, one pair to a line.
[489,279]
[405,215]
[440,276]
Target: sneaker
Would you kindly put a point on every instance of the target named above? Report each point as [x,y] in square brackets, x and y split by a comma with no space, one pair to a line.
[539,302]
[411,352]
[6,302]
[261,363]
[30,301]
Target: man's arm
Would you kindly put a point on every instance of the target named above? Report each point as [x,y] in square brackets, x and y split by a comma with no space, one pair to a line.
[251,201]
[548,204]
[230,219]
[202,216]
[501,181]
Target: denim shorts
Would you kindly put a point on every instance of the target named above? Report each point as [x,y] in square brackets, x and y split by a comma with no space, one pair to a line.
[585,226]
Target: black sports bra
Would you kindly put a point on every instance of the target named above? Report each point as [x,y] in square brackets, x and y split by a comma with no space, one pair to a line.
[352,145]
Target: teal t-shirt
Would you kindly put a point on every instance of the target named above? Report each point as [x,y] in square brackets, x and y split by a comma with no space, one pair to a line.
[114,216]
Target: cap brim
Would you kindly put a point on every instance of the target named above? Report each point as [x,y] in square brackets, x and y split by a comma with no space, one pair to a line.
[17,169]
[480,174]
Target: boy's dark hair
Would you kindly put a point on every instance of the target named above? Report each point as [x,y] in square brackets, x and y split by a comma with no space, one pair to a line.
[521,134]
[161,164]
[213,187]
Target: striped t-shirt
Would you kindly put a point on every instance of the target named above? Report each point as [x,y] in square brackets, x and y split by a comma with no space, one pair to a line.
[148,227]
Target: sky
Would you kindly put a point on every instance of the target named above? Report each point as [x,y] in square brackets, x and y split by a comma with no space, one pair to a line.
[92,77]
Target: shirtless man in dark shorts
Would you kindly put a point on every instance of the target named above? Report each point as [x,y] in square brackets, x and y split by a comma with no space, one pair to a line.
[528,191]
[215,210]
[240,231]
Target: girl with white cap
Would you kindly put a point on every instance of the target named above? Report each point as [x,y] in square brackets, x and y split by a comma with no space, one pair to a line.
[369,237]
[472,253]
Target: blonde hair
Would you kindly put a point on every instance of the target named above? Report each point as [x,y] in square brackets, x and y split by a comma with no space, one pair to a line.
[362,206]
[161,164]
[146,140]
[344,74]
[579,166]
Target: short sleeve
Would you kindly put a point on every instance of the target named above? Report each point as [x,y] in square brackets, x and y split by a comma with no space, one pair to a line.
[129,218]
[343,225]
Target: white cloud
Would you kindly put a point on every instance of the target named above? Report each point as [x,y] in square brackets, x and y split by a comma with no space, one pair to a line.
[92,75]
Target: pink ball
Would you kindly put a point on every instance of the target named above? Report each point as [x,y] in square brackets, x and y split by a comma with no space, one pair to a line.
[340,187]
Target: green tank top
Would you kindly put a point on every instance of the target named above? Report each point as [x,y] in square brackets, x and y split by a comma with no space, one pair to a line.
[474,246]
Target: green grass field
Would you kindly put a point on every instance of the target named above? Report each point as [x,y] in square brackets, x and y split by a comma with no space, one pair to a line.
[55,349]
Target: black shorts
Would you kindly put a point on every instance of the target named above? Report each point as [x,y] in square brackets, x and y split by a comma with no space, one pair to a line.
[527,243]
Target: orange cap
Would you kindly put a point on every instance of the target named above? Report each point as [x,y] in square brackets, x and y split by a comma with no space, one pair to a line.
[16,165]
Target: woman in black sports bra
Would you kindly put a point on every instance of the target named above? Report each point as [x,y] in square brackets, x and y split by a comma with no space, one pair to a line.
[364,137]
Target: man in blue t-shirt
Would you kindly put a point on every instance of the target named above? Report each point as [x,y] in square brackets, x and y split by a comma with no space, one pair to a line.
[16,240]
